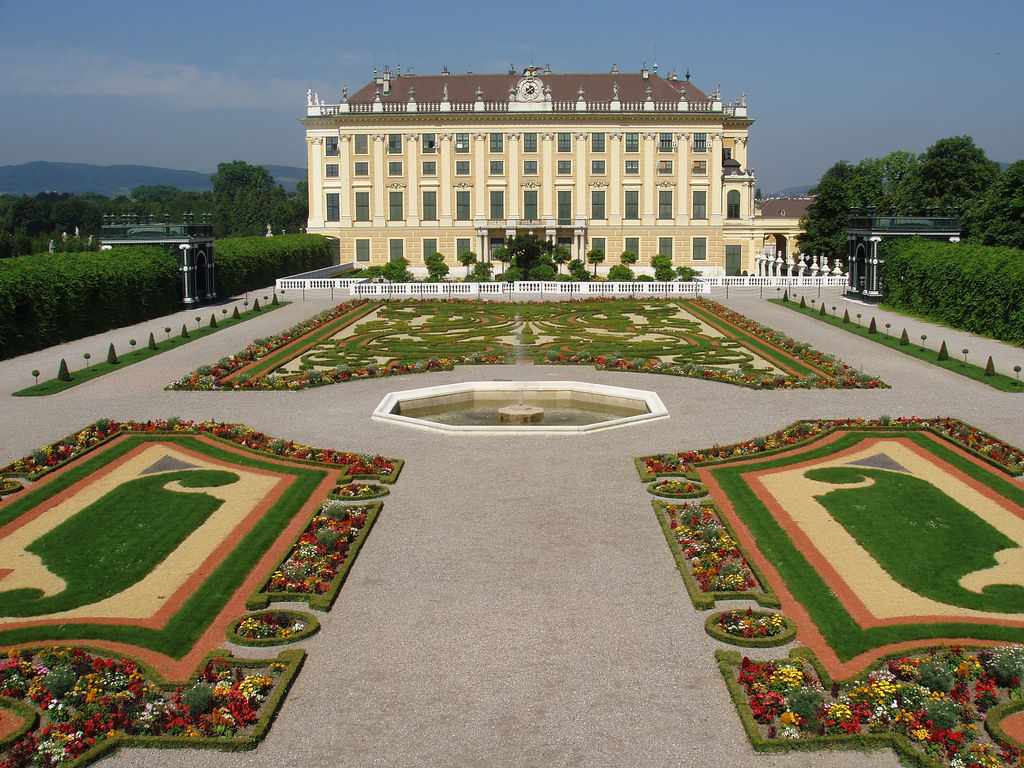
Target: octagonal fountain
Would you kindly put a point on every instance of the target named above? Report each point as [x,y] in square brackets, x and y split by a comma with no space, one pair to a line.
[520,407]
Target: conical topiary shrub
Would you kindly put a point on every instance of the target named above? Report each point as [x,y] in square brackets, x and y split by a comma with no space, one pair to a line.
[275,302]
[822,310]
[872,328]
[63,374]
[235,315]
[256,305]
[904,338]
[803,303]
[184,331]
[152,341]
[785,295]
[990,367]
[846,315]
[111,354]
[213,321]
[943,352]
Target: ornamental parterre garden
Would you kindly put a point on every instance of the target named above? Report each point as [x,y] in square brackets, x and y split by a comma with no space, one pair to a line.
[696,338]
[892,547]
[158,537]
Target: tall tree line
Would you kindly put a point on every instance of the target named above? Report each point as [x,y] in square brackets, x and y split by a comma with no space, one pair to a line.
[244,201]
[952,173]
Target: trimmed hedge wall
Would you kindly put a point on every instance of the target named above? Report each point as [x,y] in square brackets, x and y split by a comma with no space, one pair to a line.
[975,288]
[49,298]
[245,263]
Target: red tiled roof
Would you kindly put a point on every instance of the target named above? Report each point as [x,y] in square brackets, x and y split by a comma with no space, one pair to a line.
[564,87]
[784,207]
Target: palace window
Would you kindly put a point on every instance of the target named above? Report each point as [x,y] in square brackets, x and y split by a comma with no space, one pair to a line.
[396,249]
[362,249]
[395,168]
[664,203]
[565,142]
[632,142]
[632,210]
[529,167]
[699,168]
[331,146]
[462,167]
[396,206]
[429,247]
[529,142]
[664,142]
[565,206]
[429,168]
[665,166]
[429,206]
[597,142]
[632,167]
[597,204]
[497,204]
[700,142]
[530,204]
[462,142]
[462,205]
[598,244]
[700,249]
[462,244]
[361,168]
[597,167]
[497,167]
[700,204]
[429,143]
[394,143]
[565,166]
[331,170]
[333,207]
[633,245]
[665,246]
[497,142]
[361,144]
[362,206]
[733,204]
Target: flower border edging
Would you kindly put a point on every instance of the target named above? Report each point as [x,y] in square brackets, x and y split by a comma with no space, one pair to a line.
[787,635]
[311,628]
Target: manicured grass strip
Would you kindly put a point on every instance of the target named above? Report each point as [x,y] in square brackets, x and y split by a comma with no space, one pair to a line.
[954,363]
[839,629]
[53,386]
[186,626]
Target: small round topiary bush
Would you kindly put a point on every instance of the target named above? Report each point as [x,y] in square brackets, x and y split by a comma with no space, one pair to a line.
[198,697]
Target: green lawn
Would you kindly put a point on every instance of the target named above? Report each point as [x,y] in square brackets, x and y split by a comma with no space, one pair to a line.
[897,518]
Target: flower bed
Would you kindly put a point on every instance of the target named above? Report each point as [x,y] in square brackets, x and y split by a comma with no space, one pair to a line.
[750,628]
[708,557]
[928,705]
[997,453]
[678,489]
[50,457]
[273,628]
[88,705]
[321,557]
[9,486]
[357,491]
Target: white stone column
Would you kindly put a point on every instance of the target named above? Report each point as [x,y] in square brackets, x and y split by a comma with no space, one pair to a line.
[547,178]
[345,178]
[682,155]
[649,174]
[314,162]
[580,194]
[614,201]
[446,191]
[379,181]
[715,189]
[513,194]
[412,210]
[482,204]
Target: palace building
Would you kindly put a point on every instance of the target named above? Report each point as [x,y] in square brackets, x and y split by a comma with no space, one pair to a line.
[412,164]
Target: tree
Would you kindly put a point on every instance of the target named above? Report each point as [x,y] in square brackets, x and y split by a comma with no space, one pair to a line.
[501,254]
[620,273]
[578,270]
[686,274]
[560,254]
[595,256]
[397,270]
[149,193]
[436,268]
[997,218]
[628,257]
[828,216]
[955,172]
[482,271]
[467,258]
[526,252]
[245,199]
[662,264]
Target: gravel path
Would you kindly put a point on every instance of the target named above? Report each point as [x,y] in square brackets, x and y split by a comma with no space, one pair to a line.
[516,604]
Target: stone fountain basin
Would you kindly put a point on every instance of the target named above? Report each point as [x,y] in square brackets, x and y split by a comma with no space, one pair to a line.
[641,405]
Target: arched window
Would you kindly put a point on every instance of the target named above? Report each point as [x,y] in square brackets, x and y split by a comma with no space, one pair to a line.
[733,206]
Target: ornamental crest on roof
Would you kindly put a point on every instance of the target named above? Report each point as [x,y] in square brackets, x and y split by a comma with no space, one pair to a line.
[530,90]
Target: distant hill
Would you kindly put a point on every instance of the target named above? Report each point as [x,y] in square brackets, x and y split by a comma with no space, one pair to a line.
[793,191]
[111,180]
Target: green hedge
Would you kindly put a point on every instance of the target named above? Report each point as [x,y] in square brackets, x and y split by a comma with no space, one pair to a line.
[972,287]
[49,298]
[246,263]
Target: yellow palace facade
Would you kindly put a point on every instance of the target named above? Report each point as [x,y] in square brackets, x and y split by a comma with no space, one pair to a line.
[411,165]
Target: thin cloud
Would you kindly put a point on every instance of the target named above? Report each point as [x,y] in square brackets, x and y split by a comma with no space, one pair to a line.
[179,86]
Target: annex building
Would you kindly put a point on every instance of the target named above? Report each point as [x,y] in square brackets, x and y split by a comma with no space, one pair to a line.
[412,164]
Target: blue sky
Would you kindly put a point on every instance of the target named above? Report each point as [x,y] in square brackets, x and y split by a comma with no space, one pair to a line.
[190,84]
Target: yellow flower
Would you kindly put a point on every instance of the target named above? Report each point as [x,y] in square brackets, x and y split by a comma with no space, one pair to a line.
[789,718]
